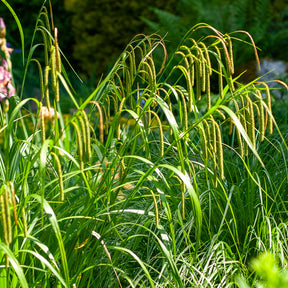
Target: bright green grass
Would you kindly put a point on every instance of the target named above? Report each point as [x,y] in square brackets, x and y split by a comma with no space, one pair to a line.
[121,194]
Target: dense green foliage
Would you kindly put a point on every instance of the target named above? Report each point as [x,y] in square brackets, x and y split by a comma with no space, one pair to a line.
[27,11]
[103,29]
[266,21]
[154,181]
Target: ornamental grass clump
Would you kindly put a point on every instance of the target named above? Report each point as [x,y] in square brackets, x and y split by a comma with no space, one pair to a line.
[181,193]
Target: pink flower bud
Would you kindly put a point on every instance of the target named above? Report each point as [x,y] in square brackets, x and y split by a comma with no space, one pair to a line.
[2,28]
[6,87]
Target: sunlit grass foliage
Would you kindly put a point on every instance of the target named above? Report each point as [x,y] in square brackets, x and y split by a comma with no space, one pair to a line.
[161,177]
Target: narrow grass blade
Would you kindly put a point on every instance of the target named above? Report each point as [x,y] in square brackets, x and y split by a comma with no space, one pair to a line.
[15,264]
[53,220]
[242,131]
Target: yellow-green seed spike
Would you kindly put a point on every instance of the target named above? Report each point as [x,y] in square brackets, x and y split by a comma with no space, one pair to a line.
[257,109]
[57,92]
[251,121]
[204,142]
[236,105]
[189,86]
[220,77]
[54,71]
[152,65]
[198,80]
[214,149]
[261,117]
[214,135]
[53,65]
[6,220]
[60,176]
[161,138]
[4,215]
[204,74]
[220,152]
[269,106]
[83,134]
[101,124]
[208,91]
[192,74]
[87,132]
[13,196]
[57,51]
[221,114]
[80,144]
[207,58]
[46,87]
[228,61]
[230,47]
[257,106]
[207,132]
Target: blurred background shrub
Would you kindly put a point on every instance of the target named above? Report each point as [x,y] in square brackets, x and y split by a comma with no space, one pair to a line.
[27,12]
[266,21]
[93,33]
[102,29]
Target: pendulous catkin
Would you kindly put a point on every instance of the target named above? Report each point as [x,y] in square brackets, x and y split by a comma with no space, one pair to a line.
[101,124]
[261,116]
[160,132]
[6,217]
[250,121]
[80,144]
[60,175]
[269,106]
[12,189]
[220,152]
[46,86]
[87,134]
[204,141]
[220,78]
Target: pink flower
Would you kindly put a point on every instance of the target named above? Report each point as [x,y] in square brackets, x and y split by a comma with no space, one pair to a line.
[6,87]
[2,28]
[48,113]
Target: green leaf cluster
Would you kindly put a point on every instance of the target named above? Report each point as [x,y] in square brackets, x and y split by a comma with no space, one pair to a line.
[151,181]
[266,21]
[103,28]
